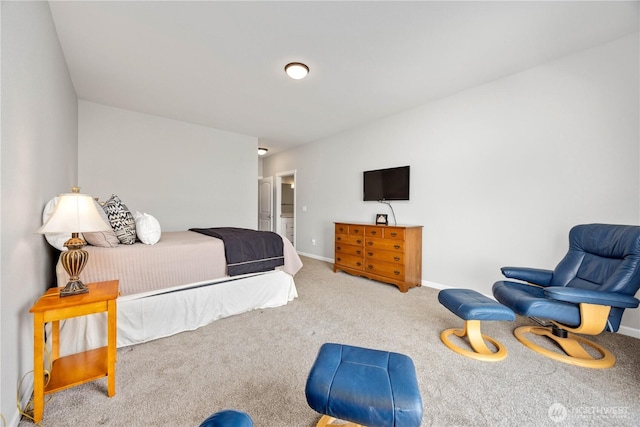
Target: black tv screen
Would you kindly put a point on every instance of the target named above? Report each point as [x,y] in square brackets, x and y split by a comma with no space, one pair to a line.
[386,184]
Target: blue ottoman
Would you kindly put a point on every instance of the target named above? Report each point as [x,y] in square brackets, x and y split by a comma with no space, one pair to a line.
[368,387]
[474,307]
[228,418]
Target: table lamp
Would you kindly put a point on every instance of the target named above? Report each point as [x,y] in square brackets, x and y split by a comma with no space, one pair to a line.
[74,213]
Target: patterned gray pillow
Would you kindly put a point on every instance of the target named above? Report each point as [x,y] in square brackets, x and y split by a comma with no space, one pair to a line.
[104,239]
[121,220]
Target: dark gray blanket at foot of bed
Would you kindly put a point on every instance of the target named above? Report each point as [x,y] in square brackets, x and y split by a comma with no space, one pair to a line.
[248,251]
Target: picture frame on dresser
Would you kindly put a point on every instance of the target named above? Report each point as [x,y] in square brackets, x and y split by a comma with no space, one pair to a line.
[381,219]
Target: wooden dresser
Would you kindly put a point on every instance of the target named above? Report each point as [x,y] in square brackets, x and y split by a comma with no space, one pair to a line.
[390,254]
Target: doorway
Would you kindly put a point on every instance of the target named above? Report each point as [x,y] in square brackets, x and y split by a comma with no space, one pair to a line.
[285,205]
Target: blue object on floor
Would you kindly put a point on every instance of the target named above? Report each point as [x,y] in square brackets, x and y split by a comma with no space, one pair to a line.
[473,307]
[228,418]
[586,294]
[369,387]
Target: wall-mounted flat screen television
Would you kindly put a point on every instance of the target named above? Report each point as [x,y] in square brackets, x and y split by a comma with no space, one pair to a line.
[386,184]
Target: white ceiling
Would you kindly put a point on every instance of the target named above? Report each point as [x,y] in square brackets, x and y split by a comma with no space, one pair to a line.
[221,64]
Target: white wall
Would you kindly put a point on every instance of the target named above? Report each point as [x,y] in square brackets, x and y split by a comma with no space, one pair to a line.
[499,173]
[39,160]
[183,174]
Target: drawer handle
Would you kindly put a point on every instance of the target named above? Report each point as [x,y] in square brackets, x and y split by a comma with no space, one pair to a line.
[339,248]
[341,229]
[374,232]
[370,253]
[370,243]
[396,258]
[339,259]
[396,272]
[370,267]
[338,238]
[393,234]
[358,264]
[358,252]
[358,241]
[356,231]
[396,246]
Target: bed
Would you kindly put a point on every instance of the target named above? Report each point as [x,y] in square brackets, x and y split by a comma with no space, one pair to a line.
[178,284]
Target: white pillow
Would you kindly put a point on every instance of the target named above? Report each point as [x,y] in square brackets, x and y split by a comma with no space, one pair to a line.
[56,240]
[147,228]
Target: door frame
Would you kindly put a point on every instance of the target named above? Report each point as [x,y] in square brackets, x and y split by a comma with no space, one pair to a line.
[278,201]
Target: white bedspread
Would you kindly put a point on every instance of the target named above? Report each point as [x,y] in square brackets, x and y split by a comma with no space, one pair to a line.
[178,284]
[147,318]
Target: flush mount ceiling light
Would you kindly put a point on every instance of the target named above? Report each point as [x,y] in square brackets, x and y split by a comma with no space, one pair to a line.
[296,70]
[262,151]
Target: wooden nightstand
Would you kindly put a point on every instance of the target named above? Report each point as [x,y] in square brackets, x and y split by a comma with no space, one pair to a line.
[76,369]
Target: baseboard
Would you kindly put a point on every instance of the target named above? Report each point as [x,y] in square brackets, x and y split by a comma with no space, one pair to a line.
[434,285]
[15,420]
[24,401]
[330,260]
[631,332]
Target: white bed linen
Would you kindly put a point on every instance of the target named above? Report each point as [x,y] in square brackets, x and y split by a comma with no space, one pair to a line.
[143,318]
[176,285]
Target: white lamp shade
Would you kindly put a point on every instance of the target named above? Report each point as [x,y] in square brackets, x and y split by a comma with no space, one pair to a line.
[74,213]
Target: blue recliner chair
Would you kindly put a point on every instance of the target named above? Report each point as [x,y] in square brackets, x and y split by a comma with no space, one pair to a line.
[585,294]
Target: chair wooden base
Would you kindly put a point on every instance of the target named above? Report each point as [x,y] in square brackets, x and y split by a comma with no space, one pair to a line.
[572,346]
[327,421]
[477,341]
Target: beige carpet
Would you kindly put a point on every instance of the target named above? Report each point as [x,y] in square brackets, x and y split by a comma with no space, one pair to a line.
[258,362]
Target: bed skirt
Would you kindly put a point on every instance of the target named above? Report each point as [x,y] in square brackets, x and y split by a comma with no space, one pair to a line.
[143,318]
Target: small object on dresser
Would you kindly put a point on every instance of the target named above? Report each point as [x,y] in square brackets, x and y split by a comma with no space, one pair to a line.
[381,219]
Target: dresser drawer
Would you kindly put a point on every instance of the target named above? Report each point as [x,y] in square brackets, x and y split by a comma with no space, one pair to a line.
[384,244]
[384,232]
[388,256]
[349,240]
[394,233]
[351,261]
[345,249]
[374,232]
[342,228]
[351,229]
[356,230]
[386,269]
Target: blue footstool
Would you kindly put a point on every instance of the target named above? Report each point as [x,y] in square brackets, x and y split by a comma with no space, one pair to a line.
[228,418]
[367,387]
[474,307]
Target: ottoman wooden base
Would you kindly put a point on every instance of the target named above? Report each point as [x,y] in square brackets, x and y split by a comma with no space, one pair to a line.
[473,307]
